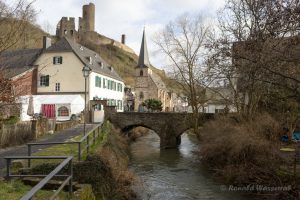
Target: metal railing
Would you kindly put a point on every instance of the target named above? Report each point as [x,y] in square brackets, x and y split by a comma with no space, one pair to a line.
[95,132]
[69,177]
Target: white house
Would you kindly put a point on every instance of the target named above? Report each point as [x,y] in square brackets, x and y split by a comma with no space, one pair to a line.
[60,73]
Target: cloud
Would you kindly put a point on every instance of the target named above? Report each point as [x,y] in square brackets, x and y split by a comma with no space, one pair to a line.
[117,17]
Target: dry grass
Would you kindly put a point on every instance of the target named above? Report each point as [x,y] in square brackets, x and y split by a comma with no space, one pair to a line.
[244,151]
[114,154]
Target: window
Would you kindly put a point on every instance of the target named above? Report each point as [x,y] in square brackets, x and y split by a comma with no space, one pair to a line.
[141,73]
[44,80]
[141,95]
[120,89]
[63,111]
[97,81]
[104,83]
[57,87]
[72,32]
[57,60]
[114,86]
[108,84]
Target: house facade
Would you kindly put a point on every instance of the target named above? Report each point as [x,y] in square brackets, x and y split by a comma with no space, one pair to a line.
[60,72]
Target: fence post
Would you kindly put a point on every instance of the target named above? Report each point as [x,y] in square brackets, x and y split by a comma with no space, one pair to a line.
[94,137]
[79,151]
[88,144]
[29,154]
[8,161]
[71,179]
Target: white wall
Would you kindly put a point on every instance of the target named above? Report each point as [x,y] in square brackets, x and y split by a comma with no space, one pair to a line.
[105,93]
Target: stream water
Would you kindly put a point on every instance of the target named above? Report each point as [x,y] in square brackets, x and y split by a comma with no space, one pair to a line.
[173,174]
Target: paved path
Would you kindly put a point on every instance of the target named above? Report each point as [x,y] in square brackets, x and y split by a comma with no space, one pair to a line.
[56,137]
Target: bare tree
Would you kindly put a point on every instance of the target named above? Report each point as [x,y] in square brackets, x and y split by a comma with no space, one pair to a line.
[183,42]
[258,48]
[13,21]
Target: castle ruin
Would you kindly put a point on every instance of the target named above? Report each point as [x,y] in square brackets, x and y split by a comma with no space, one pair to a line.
[66,26]
[86,29]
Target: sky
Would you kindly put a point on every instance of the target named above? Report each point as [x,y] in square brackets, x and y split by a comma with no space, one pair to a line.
[116,17]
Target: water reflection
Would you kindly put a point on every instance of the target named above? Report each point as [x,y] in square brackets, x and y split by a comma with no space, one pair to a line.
[172,173]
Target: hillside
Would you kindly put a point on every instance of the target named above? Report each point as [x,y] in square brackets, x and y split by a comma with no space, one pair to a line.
[21,34]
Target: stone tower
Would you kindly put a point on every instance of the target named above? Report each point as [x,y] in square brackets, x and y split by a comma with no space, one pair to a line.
[142,73]
[66,27]
[87,21]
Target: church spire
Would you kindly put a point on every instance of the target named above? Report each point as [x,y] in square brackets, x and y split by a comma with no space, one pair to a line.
[144,57]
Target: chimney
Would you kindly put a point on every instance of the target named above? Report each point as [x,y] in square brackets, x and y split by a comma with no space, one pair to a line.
[46,42]
[123,39]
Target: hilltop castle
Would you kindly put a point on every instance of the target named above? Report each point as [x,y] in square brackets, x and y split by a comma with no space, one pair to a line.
[86,29]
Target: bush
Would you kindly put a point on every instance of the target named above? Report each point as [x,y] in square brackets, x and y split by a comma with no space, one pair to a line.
[243,151]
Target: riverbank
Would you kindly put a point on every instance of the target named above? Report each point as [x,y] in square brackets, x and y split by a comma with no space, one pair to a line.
[245,156]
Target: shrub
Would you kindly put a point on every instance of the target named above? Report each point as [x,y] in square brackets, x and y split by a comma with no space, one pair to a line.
[243,151]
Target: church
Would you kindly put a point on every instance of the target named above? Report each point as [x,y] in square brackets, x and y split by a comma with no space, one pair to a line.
[149,85]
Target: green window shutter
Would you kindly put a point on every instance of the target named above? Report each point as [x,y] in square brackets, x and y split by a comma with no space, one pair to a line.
[100,82]
[96,81]
[53,60]
[47,81]
[61,60]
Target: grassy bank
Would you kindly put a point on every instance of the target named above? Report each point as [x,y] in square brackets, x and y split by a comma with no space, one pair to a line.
[15,189]
[247,152]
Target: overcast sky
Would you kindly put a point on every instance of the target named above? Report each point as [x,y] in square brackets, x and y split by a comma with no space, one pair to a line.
[117,17]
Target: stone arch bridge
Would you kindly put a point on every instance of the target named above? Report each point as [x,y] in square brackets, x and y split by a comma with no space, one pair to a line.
[168,126]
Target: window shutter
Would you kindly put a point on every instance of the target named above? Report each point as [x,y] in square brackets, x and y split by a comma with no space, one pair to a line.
[53,60]
[47,81]
[60,59]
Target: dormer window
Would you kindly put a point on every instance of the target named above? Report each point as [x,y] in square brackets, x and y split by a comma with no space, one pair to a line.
[141,73]
[101,64]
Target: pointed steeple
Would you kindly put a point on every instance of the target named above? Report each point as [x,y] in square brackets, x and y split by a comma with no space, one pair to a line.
[144,57]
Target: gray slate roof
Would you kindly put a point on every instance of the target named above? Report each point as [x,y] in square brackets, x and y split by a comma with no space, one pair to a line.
[17,62]
[144,56]
[84,54]
[157,80]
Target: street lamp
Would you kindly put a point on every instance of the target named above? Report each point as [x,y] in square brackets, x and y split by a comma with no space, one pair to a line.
[86,72]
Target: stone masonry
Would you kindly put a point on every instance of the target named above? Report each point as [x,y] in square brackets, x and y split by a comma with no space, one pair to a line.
[168,126]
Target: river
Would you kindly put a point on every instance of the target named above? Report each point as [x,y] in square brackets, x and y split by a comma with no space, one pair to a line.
[173,174]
